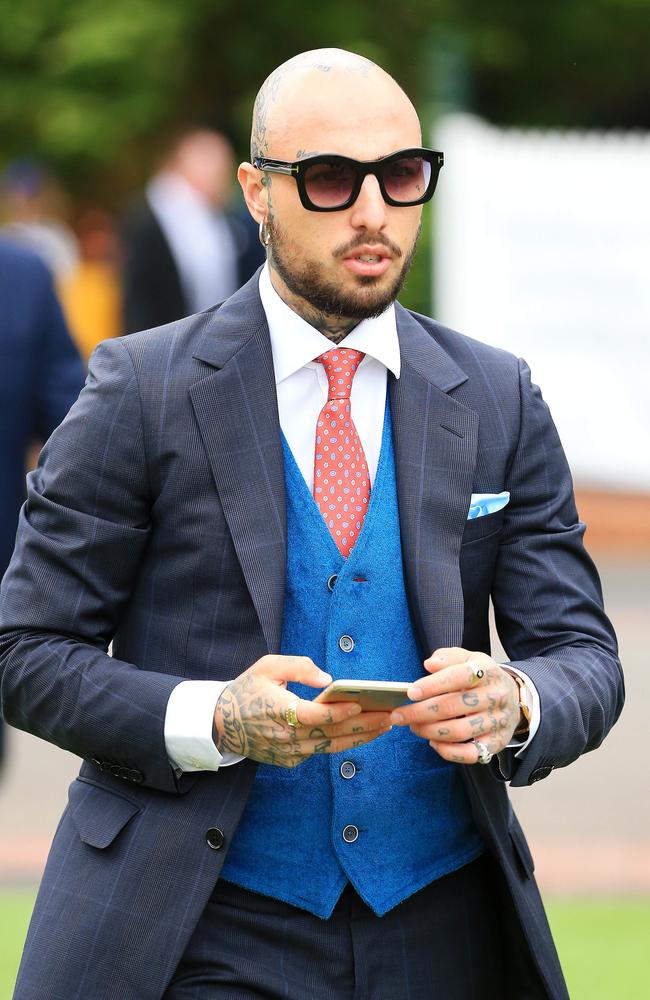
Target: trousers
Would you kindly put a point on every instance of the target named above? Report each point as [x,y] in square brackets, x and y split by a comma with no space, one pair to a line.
[443,943]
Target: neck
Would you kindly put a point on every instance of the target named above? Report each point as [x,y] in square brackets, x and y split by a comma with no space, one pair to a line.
[335,328]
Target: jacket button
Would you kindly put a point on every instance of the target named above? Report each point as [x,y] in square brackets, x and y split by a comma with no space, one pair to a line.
[346,643]
[98,763]
[347,769]
[350,833]
[331,582]
[541,772]
[136,776]
[215,838]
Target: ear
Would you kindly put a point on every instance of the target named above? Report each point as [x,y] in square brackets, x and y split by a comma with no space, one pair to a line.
[255,194]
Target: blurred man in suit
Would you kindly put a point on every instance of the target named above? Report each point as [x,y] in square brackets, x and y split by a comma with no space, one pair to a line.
[41,375]
[307,482]
[185,249]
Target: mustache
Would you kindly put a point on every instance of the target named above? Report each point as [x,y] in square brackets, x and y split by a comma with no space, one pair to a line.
[365,240]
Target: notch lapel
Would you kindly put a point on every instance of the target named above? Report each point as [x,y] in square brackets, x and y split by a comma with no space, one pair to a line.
[236,408]
[436,440]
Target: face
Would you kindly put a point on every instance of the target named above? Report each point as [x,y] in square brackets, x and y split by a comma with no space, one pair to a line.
[350,263]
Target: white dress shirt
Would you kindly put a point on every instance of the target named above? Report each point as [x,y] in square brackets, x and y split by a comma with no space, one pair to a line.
[302,389]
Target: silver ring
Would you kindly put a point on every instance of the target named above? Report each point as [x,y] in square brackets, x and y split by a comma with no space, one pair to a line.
[477,672]
[484,755]
[291,716]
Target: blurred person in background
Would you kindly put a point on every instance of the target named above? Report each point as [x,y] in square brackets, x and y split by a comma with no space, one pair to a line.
[41,375]
[33,209]
[184,247]
[82,260]
[183,512]
[91,296]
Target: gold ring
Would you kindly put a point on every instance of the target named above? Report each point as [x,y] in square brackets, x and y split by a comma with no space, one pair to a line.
[477,672]
[291,715]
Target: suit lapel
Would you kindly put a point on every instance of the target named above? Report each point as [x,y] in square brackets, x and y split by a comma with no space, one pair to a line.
[435,453]
[236,408]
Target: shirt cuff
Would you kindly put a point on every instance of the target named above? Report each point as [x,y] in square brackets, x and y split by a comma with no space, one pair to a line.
[535,712]
[188,727]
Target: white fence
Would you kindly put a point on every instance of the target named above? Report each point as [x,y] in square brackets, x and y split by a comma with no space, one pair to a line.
[542,247]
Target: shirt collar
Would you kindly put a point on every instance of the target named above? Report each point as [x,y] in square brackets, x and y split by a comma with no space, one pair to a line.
[295,343]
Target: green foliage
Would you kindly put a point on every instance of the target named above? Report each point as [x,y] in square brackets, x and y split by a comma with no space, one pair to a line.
[95,89]
[88,85]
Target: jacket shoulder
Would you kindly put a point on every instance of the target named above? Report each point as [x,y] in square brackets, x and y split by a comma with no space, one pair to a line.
[467,351]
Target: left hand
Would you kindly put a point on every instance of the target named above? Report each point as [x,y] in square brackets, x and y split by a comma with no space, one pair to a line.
[454,707]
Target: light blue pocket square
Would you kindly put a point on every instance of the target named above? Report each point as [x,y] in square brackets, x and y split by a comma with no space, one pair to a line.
[486,503]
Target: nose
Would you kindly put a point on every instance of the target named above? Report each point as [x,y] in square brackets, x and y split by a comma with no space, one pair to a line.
[369,210]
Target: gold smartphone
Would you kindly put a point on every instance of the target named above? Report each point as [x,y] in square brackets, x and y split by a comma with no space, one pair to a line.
[373,696]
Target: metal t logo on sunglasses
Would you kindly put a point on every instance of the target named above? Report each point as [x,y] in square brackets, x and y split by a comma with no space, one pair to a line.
[328,182]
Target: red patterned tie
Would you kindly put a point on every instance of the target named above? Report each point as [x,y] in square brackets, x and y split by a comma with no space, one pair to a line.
[341,480]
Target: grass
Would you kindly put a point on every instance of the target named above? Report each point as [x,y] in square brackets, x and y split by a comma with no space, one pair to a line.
[603,944]
[603,947]
[15,911]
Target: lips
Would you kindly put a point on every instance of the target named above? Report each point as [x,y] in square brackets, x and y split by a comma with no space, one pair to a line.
[368,261]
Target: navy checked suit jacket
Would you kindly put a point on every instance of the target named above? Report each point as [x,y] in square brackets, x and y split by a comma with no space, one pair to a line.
[156,519]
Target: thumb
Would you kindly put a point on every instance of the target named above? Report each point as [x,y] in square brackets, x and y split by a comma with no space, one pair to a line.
[299,668]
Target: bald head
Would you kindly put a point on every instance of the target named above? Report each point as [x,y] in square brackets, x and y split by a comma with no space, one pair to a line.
[329,90]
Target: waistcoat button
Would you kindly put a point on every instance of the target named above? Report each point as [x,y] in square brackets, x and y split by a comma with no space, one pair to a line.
[215,838]
[331,582]
[350,834]
[347,769]
[346,642]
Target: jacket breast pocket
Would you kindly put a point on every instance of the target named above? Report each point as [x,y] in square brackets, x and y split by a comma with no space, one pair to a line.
[99,814]
[482,527]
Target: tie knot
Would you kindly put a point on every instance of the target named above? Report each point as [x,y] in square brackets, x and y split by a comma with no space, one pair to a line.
[340,366]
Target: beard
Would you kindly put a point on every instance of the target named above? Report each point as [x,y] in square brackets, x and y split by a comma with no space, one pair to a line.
[305,279]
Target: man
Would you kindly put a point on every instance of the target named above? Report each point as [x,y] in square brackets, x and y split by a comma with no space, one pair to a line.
[40,377]
[184,249]
[172,515]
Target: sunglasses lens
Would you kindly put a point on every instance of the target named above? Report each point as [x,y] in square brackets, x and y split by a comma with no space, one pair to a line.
[329,184]
[407,179]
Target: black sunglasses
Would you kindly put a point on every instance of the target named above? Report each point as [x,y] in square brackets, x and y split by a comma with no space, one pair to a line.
[328,182]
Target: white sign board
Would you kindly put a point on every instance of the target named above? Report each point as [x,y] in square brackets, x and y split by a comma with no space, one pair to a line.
[542,247]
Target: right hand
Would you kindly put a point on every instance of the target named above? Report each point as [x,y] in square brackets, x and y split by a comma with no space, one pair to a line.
[249,718]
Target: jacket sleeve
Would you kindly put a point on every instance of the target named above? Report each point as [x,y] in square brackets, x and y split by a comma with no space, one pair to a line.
[548,603]
[82,534]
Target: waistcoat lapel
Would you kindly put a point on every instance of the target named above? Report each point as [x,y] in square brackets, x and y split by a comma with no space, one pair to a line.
[435,440]
[236,408]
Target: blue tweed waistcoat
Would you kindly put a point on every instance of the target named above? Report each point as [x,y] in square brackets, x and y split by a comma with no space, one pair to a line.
[408,805]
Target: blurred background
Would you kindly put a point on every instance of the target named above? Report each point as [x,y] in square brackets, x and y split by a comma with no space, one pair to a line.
[120,129]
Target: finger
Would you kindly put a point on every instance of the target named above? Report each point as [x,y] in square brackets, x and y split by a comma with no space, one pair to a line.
[458,730]
[313,713]
[447,706]
[349,742]
[446,681]
[446,657]
[294,668]
[365,722]
[462,753]
[456,753]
